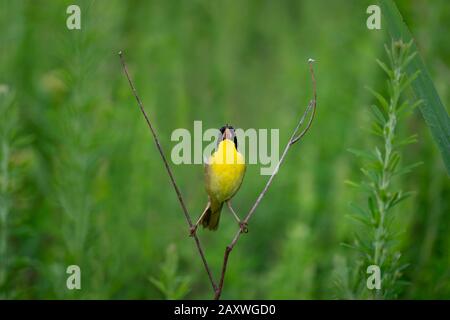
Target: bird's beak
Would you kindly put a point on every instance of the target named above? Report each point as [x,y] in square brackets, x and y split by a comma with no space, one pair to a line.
[227,134]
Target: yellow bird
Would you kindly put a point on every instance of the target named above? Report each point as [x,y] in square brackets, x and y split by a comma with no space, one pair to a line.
[224,171]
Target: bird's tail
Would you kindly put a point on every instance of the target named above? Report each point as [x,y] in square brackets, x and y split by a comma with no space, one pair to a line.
[212,216]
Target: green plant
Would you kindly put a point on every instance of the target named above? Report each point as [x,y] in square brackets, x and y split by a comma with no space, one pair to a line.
[12,142]
[171,285]
[376,242]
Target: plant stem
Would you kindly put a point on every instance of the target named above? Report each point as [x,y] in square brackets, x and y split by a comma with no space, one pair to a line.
[169,171]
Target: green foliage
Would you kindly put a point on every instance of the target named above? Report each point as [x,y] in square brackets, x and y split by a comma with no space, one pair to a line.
[13,163]
[382,166]
[171,285]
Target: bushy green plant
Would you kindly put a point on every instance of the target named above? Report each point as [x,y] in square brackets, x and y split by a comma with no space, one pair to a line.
[376,241]
[12,161]
[169,283]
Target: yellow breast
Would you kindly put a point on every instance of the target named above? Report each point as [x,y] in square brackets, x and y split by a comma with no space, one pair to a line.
[224,171]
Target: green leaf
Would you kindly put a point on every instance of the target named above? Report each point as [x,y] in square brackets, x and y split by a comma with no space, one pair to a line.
[383,102]
[384,67]
[403,267]
[409,80]
[409,140]
[407,107]
[409,59]
[362,153]
[432,109]
[373,208]
[376,130]
[358,210]
[378,115]
[401,197]
[407,169]
[352,183]
[159,285]
[360,214]
[347,245]
[369,174]
[393,162]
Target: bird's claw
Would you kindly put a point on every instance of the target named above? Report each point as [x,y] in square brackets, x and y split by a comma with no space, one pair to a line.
[192,231]
[243,226]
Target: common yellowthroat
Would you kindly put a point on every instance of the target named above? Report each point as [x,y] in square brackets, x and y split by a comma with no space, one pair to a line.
[224,172]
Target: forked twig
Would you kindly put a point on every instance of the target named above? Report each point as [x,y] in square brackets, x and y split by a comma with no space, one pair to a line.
[169,171]
[294,138]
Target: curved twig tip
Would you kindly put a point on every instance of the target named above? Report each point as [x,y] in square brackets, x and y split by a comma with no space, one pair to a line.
[310,60]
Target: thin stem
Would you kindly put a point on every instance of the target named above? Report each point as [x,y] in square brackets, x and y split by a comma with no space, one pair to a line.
[313,79]
[169,171]
[382,188]
[294,138]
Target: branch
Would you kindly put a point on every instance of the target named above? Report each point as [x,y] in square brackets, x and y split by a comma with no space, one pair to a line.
[169,171]
[294,138]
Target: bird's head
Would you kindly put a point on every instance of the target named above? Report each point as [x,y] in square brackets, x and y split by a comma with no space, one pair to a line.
[227,132]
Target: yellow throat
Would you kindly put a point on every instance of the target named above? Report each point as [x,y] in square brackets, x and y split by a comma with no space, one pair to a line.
[224,171]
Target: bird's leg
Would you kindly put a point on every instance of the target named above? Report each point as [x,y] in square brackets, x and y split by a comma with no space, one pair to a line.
[242,224]
[194,227]
[234,213]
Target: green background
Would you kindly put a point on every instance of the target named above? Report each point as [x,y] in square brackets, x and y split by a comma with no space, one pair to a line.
[88,187]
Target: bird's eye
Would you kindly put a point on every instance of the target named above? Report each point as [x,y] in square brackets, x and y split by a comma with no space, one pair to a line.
[222,130]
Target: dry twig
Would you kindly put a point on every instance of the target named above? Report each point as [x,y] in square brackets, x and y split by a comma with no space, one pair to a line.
[169,171]
[295,137]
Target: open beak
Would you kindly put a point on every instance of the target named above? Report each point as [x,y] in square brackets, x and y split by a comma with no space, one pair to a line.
[228,134]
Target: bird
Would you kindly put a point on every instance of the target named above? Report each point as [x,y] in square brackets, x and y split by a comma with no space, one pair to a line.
[224,172]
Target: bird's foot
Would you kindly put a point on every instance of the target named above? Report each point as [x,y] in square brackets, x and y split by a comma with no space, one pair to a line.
[243,225]
[192,231]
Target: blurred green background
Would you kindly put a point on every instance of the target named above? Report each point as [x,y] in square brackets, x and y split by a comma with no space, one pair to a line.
[84,183]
